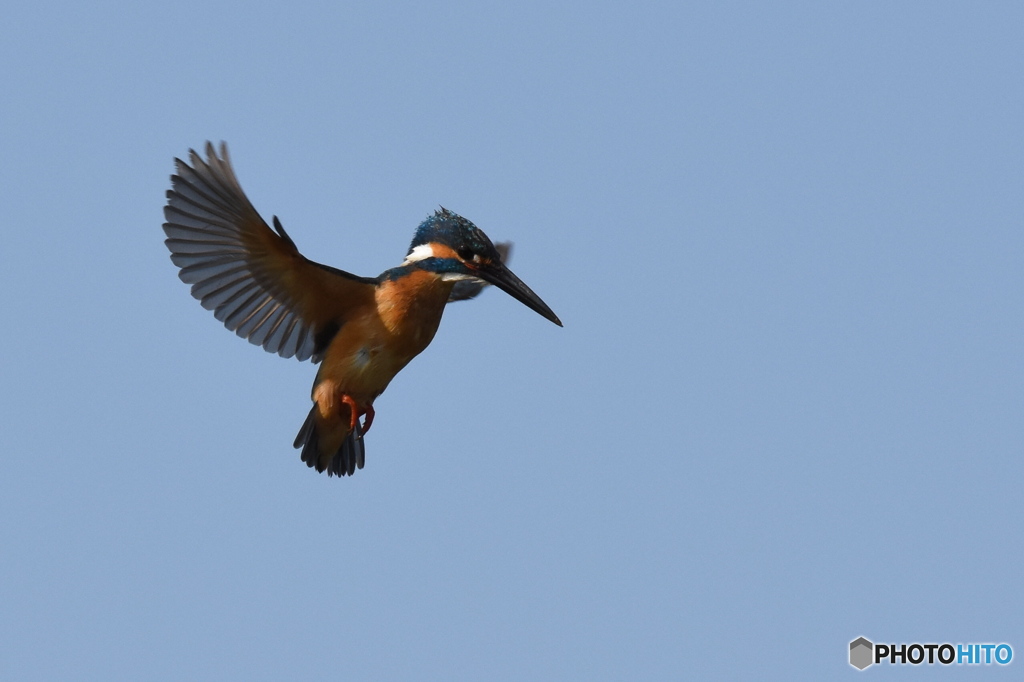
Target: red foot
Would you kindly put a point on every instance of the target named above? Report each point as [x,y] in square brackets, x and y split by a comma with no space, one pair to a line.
[354,410]
[369,418]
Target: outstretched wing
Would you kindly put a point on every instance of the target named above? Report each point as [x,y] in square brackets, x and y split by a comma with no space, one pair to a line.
[255,280]
[471,288]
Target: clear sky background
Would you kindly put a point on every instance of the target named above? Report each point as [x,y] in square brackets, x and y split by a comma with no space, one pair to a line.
[785,410]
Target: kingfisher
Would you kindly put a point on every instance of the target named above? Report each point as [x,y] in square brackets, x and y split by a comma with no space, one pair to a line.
[361,330]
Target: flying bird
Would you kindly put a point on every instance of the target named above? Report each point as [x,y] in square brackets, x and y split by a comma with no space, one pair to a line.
[362,330]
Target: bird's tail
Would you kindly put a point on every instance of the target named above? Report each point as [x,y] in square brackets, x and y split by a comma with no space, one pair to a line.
[325,453]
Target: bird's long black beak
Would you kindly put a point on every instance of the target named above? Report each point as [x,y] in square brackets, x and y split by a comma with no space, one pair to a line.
[500,276]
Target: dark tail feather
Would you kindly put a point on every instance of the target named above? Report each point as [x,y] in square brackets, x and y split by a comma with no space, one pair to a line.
[351,455]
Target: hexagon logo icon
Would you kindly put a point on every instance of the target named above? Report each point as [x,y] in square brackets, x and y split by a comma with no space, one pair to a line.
[861,653]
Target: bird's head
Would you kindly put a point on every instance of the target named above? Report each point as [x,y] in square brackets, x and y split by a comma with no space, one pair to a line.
[456,249]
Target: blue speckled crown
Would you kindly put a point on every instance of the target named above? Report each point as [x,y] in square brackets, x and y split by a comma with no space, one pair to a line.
[451,229]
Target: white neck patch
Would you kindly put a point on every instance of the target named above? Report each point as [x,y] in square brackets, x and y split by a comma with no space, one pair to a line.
[419,253]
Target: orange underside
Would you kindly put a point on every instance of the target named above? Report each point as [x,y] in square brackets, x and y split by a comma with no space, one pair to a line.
[371,347]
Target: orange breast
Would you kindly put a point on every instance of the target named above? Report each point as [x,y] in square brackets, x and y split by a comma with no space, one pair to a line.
[374,344]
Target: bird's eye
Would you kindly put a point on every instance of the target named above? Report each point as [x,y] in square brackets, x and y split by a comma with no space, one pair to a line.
[465,254]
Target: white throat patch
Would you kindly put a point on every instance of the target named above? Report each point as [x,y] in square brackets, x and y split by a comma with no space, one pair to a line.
[458,277]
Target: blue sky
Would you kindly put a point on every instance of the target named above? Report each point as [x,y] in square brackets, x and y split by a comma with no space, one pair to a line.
[784,412]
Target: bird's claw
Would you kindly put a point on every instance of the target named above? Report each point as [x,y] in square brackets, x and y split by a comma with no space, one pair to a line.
[356,412]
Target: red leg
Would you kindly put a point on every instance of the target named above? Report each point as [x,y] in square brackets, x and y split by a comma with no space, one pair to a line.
[353,410]
[356,413]
[369,418]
